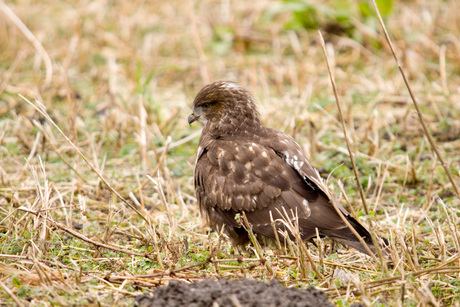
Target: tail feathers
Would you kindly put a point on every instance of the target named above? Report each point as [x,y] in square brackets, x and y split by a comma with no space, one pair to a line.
[347,237]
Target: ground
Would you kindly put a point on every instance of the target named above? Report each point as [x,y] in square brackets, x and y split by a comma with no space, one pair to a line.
[233,293]
[103,210]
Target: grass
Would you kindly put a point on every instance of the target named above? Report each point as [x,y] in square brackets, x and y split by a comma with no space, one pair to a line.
[124,76]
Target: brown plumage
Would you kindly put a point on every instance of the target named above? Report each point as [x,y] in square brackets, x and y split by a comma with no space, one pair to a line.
[244,166]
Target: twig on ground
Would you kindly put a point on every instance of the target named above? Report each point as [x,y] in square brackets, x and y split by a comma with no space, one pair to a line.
[82,237]
[382,281]
[171,272]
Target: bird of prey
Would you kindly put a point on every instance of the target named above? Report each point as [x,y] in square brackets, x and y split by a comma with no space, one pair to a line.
[242,166]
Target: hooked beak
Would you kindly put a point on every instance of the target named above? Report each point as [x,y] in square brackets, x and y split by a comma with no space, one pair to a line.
[191,118]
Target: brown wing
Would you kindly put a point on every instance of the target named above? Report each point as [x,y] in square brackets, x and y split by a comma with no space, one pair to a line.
[323,214]
[241,175]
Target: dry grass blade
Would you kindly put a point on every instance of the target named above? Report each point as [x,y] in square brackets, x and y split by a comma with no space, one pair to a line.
[453,222]
[123,77]
[52,144]
[188,267]
[291,223]
[31,37]
[339,108]
[414,101]
[11,294]
[256,244]
[379,282]
[204,71]
[51,121]
[82,237]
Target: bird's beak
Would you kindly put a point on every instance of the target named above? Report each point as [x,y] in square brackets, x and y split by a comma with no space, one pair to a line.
[191,118]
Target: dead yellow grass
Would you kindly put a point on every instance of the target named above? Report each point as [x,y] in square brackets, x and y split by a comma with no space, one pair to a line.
[119,77]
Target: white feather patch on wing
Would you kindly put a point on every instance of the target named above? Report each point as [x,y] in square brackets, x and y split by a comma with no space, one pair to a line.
[199,151]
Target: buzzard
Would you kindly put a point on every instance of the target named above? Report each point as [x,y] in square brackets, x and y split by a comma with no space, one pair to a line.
[242,166]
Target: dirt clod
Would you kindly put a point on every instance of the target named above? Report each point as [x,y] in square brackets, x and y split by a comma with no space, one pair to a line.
[232,293]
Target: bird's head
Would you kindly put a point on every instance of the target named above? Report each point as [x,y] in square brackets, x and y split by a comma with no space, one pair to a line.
[222,100]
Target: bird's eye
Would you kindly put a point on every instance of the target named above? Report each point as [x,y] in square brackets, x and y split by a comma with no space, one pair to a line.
[208,104]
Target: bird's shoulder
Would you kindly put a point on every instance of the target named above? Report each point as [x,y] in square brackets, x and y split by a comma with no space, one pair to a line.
[292,154]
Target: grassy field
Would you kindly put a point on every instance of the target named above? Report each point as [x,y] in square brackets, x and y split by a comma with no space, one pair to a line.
[119,77]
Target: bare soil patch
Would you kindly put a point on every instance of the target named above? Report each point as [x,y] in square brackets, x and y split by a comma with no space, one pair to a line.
[231,293]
